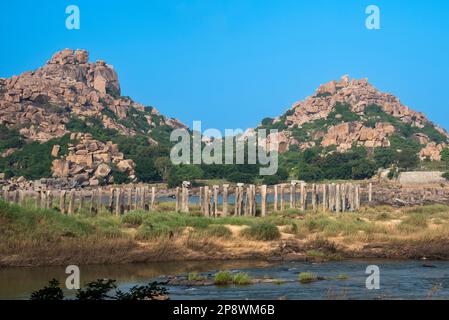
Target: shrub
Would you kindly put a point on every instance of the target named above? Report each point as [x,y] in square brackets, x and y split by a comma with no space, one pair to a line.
[223,278]
[50,292]
[264,231]
[307,277]
[133,218]
[242,278]
[194,276]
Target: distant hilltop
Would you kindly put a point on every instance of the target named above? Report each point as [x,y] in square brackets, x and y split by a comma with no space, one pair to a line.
[346,113]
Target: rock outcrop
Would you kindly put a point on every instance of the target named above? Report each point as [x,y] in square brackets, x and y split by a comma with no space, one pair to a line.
[89,162]
[41,103]
[369,118]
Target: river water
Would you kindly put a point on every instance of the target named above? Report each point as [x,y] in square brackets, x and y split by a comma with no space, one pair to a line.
[398,279]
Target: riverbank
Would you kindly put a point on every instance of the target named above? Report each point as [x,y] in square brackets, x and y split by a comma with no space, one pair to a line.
[36,237]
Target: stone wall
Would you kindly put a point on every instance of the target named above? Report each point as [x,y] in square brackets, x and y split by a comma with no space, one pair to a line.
[421,177]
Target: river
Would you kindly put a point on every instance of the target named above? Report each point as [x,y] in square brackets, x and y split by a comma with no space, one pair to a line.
[398,279]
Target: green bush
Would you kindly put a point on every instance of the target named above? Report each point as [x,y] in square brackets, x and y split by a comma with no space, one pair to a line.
[264,231]
[223,278]
[307,277]
[133,218]
[241,278]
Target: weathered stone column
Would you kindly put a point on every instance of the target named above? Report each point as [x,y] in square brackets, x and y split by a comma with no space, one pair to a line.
[275,204]
[263,200]
[337,198]
[200,200]
[177,199]
[206,204]
[215,201]
[143,198]
[303,198]
[62,197]
[351,197]
[240,199]
[282,196]
[293,195]
[324,197]
[185,197]
[81,204]
[43,199]
[49,199]
[111,200]
[100,200]
[153,198]
[343,197]
[225,199]
[129,200]
[71,208]
[370,192]
[118,202]
[314,197]
[357,197]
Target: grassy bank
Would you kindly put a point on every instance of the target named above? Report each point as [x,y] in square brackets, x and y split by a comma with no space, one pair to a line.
[30,236]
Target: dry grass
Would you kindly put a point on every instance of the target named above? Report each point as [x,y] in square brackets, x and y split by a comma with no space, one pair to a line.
[45,237]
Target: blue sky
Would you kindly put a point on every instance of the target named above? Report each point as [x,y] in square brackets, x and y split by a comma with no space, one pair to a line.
[232,63]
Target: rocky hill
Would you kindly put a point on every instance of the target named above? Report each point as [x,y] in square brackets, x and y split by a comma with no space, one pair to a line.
[71,95]
[346,113]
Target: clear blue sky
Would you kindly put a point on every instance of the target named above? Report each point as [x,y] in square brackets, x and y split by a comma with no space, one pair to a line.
[232,63]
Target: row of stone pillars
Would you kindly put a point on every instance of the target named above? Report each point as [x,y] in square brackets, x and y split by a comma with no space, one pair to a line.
[333,197]
[116,200]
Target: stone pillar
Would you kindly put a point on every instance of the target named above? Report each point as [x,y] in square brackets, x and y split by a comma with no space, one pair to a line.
[153,198]
[303,198]
[225,199]
[275,197]
[370,192]
[324,198]
[206,202]
[119,202]
[177,199]
[281,194]
[143,198]
[81,204]
[62,197]
[293,195]
[263,200]
[100,200]
[185,197]
[332,197]
[129,200]
[215,201]
[200,199]
[49,199]
[344,188]
[314,197]
[351,197]
[43,200]
[71,208]
[337,198]
[357,197]
[239,191]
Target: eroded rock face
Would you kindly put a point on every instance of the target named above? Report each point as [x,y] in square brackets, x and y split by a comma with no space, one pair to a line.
[358,95]
[90,161]
[40,103]
[432,151]
[346,134]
